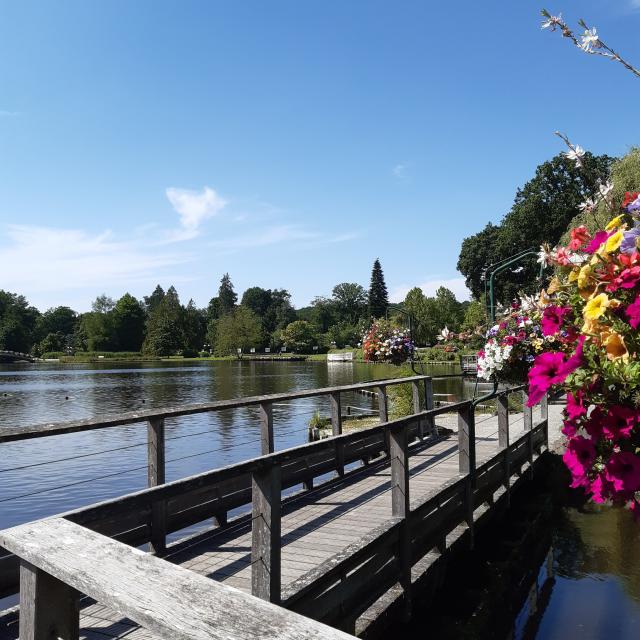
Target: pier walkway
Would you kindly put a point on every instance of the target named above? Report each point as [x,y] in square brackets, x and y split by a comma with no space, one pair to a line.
[347,552]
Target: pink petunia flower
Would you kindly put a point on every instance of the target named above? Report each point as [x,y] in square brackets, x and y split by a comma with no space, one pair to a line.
[623,471]
[633,313]
[619,422]
[579,458]
[552,319]
[549,369]
[575,405]
[598,240]
[627,279]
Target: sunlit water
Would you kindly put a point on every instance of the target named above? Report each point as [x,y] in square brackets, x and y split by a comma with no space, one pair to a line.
[49,475]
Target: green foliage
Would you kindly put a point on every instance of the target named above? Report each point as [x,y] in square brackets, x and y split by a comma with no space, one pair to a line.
[541,212]
[152,301]
[300,336]
[625,176]
[343,334]
[17,322]
[475,316]
[318,422]
[165,327]
[240,329]
[129,320]
[432,314]
[350,302]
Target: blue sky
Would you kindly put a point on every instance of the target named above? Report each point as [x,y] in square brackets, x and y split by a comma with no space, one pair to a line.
[289,143]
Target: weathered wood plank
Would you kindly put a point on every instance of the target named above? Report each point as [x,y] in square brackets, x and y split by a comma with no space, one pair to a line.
[49,608]
[266,533]
[172,602]
[266,428]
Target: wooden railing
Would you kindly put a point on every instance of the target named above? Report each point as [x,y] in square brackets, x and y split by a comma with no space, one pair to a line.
[61,560]
[149,516]
[339,590]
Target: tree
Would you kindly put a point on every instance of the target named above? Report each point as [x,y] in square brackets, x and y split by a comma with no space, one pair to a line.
[98,331]
[227,297]
[17,322]
[378,296]
[129,323]
[257,299]
[299,336]
[61,320]
[165,327]
[541,212]
[152,301]
[240,329]
[322,313]
[195,329]
[350,302]
[475,316]
[103,304]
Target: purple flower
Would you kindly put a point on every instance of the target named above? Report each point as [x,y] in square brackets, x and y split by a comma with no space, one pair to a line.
[630,239]
[634,206]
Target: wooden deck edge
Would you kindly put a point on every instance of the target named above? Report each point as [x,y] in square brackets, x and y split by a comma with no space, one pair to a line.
[429,572]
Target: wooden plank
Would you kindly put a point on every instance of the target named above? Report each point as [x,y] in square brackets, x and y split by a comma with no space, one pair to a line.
[383,408]
[12,434]
[428,405]
[265,527]
[155,477]
[49,608]
[466,440]
[172,602]
[502,405]
[266,428]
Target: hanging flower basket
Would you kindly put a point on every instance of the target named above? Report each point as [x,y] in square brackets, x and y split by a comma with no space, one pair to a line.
[383,343]
[512,344]
[595,299]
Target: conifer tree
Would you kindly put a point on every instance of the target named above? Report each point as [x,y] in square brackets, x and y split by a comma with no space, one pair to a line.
[378,296]
[227,297]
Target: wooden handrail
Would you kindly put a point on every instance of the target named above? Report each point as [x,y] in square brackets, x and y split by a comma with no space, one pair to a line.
[61,560]
[12,434]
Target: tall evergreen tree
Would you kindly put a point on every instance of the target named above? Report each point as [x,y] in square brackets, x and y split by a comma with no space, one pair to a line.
[152,301]
[227,297]
[378,296]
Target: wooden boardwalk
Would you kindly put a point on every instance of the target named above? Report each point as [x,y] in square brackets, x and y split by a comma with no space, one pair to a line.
[315,524]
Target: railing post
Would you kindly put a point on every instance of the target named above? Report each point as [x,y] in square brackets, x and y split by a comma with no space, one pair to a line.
[336,430]
[467,440]
[417,407]
[527,413]
[502,405]
[428,405]
[49,608]
[266,428]
[467,460]
[544,414]
[266,486]
[383,409]
[156,477]
[399,456]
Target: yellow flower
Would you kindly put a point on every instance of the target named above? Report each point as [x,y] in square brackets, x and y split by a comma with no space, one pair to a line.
[614,242]
[583,277]
[615,346]
[614,224]
[596,307]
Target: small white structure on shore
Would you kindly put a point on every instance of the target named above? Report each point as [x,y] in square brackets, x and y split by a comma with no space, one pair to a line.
[346,356]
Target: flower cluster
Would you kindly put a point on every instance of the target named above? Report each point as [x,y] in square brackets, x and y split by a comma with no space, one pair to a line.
[512,344]
[383,343]
[595,302]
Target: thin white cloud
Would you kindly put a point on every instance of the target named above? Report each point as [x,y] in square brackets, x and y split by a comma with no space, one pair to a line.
[8,114]
[278,235]
[401,170]
[430,287]
[194,207]
[634,4]
[46,263]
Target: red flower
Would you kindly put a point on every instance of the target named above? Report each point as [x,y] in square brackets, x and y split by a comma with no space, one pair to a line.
[633,313]
[629,197]
[579,236]
[628,279]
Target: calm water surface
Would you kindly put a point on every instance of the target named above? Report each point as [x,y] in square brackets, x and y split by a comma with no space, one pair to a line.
[49,475]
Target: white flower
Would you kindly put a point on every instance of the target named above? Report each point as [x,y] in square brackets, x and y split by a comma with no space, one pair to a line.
[552,22]
[605,189]
[545,255]
[576,154]
[589,40]
[587,206]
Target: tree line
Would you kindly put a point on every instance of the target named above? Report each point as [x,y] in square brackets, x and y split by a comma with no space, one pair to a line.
[160,325]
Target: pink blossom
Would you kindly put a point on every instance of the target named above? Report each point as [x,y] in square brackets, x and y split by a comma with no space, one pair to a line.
[569,429]
[633,313]
[552,319]
[628,279]
[563,257]
[619,422]
[593,426]
[623,471]
[600,489]
[575,405]
[549,369]
[600,238]
[579,458]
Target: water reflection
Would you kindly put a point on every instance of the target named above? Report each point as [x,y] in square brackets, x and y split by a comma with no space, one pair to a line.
[544,573]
